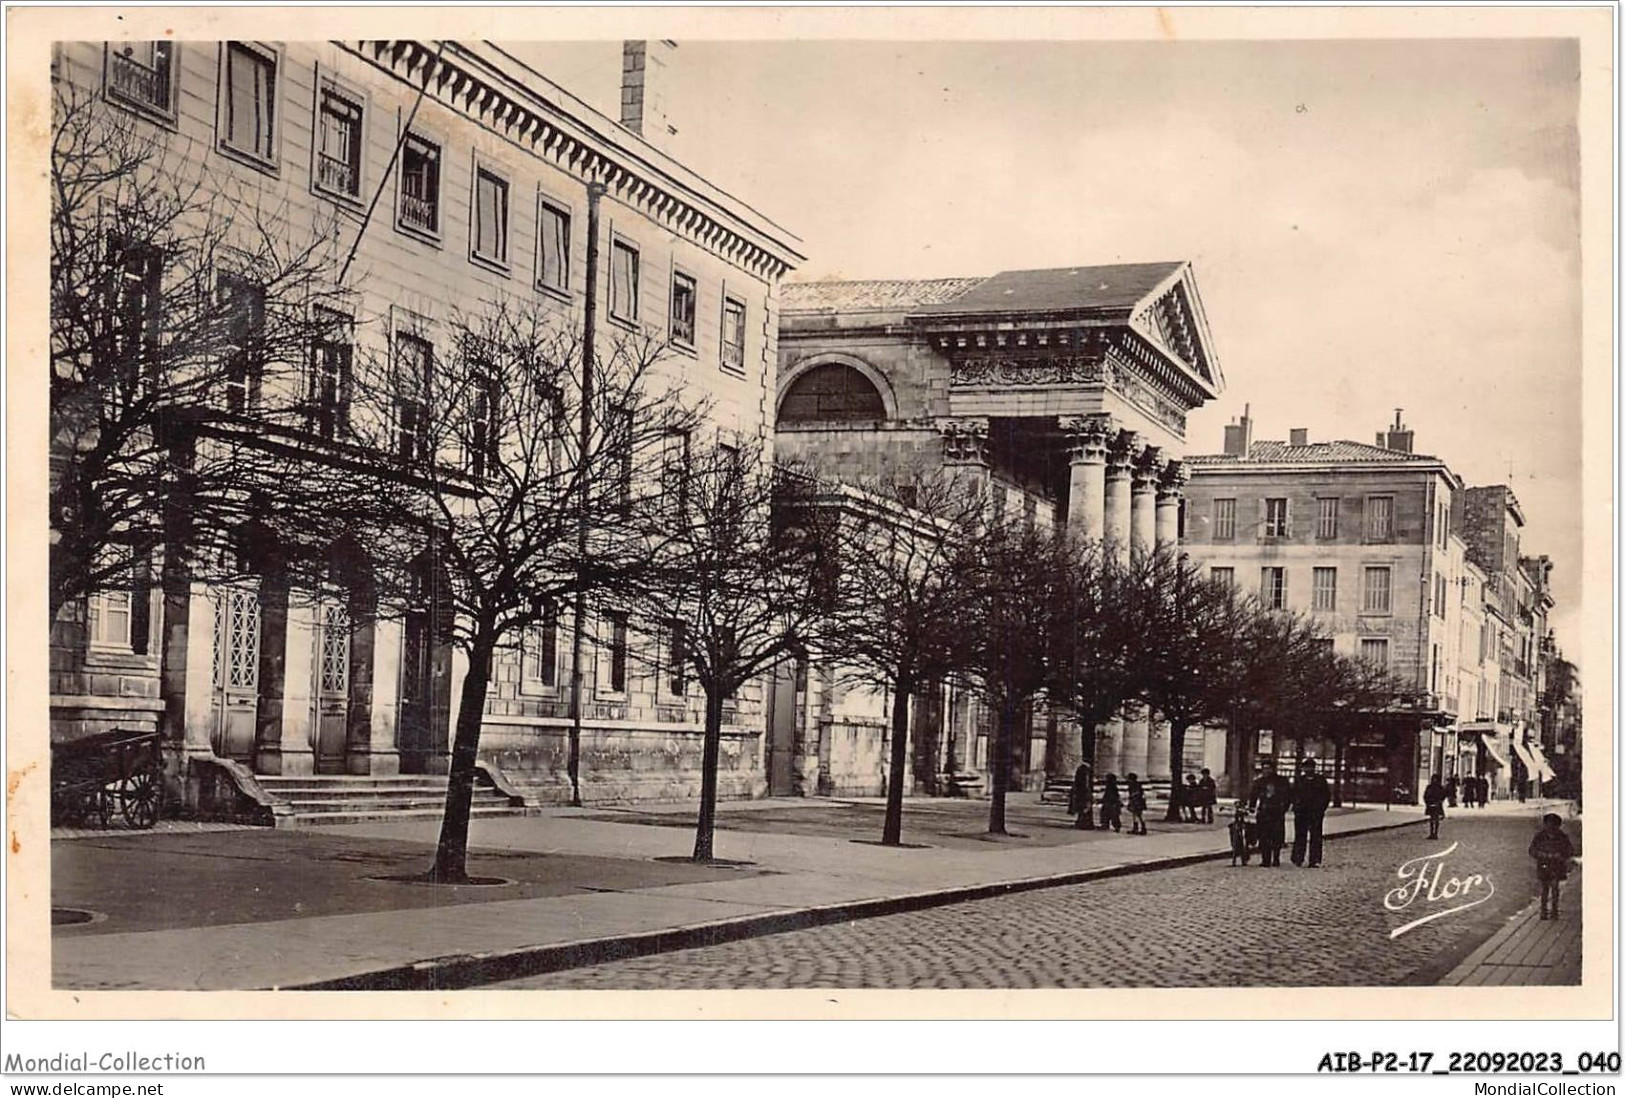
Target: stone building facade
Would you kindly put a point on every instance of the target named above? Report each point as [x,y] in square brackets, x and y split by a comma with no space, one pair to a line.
[1063,392]
[455,177]
[1359,538]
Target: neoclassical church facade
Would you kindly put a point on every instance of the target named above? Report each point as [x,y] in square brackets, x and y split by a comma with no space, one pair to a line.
[1066,391]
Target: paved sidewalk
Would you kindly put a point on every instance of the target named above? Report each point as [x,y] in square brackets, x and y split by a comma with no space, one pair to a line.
[1528,950]
[281,909]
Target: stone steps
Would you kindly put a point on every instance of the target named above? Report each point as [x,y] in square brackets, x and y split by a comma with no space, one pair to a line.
[306,800]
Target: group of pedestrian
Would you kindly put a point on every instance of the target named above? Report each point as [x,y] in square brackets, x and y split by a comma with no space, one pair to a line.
[1112,802]
[1198,797]
[1307,797]
[1474,791]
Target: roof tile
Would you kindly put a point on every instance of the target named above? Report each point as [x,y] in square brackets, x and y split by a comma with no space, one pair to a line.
[1268,452]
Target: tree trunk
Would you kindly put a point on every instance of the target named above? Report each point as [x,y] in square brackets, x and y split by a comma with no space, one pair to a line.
[1002,755]
[451,854]
[1176,761]
[711,759]
[1239,764]
[892,832]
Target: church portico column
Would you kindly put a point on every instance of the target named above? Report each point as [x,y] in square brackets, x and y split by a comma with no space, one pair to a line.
[1160,763]
[1087,438]
[964,450]
[1143,496]
[1120,456]
[1170,490]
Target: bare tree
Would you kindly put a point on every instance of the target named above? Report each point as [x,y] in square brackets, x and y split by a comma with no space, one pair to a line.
[1020,579]
[184,313]
[744,576]
[513,492]
[1098,663]
[902,597]
[1193,633]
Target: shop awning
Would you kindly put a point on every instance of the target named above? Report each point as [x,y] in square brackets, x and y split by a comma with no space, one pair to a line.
[1542,769]
[1524,756]
[1488,740]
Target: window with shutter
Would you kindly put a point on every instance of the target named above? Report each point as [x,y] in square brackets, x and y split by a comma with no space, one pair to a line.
[553,247]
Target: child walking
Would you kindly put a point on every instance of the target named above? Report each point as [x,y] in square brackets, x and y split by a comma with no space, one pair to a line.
[1136,804]
[1552,851]
[1111,805]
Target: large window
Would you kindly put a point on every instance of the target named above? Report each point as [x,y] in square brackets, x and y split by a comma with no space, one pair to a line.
[1441,595]
[331,381]
[338,142]
[618,444]
[1378,590]
[420,185]
[683,296]
[1326,529]
[553,247]
[676,472]
[733,334]
[623,281]
[1325,592]
[1379,518]
[248,92]
[242,314]
[1226,576]
[135,316]
[539,664]
[414,360]
[110,616]
[616,626]
[1275,518]
[1224,519]
[142,74]
[490,234]
[1272,588]
[1374,650]
[484,430]
[676,660]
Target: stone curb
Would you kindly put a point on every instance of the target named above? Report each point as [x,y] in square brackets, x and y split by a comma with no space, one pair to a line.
[466,970]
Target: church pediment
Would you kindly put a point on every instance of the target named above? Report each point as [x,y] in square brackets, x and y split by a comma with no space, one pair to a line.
[1171,316]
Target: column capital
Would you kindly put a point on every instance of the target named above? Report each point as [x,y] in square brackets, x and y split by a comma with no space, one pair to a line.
[1121,453]
[1148,468]
[1087,437]
[1171,485]
[964,441]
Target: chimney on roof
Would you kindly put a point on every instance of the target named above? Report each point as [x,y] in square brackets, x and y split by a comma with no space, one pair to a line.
[645,67]
[1300,436]
[1399,437]
[1238,437]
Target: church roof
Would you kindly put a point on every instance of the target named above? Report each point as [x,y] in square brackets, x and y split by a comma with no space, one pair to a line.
[1110,288]
[883,293]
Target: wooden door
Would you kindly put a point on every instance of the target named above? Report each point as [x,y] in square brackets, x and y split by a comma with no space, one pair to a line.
[332,686]
[236,672]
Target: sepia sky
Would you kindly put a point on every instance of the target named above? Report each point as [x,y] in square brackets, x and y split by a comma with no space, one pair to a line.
[1373,224]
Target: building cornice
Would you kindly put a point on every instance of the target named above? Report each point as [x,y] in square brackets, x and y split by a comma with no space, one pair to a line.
[588,145]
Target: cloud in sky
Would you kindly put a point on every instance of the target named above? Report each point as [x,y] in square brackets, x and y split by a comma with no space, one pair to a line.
[1375,224]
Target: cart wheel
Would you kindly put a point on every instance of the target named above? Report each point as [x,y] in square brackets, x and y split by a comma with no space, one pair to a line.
[140,795]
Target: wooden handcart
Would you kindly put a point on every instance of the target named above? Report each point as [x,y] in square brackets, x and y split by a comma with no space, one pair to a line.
[115,773]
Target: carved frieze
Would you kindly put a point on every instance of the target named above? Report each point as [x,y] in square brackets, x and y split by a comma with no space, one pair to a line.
[1001,370]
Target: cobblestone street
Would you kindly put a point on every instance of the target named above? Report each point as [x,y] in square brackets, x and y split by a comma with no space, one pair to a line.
[1209,925]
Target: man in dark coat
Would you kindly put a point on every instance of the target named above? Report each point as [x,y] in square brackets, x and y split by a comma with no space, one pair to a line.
[1269,799]
[1081,801]
[1210,795]
[1311,796]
